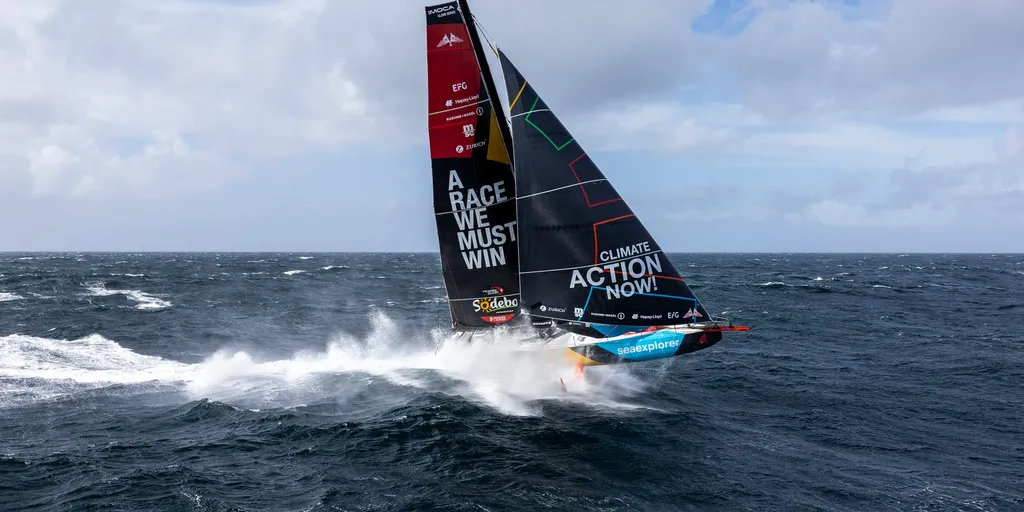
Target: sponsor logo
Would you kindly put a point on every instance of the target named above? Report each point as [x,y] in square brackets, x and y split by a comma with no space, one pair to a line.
[638,316]
[456,117]
[494,304]
[693,313]
[673,314]
[552,309]
[467,99]
[497,319]
[449,40]
[647,347]
[494,290]
[444,10]
[463,101]
[468,130]
[541,322]
[461,86]
[577,312]
[460,148]
[460,116]
[620,316]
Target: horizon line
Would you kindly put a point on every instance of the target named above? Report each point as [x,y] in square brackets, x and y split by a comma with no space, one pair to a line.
[121,251]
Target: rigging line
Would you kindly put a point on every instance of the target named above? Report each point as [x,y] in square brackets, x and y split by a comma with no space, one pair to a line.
[532,111]
[561,188]
[494,48]
[486,35]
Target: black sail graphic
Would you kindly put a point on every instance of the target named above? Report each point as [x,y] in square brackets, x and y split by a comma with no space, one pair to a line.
[474,187]
[584,254]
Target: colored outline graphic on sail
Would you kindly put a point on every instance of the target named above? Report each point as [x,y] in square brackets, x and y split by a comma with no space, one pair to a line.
[557,147]
[527,119]
[583,189]
[596,260]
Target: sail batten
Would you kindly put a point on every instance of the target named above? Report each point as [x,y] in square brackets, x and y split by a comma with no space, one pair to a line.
[584,254]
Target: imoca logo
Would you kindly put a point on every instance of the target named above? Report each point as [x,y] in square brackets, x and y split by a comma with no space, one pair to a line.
[494,304]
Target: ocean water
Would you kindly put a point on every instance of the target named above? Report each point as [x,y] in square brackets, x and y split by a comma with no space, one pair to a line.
[309,382]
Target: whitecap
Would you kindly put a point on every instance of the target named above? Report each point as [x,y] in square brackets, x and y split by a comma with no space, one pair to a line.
[145,300]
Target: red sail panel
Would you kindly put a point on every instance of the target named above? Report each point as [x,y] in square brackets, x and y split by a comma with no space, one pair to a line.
[453,90]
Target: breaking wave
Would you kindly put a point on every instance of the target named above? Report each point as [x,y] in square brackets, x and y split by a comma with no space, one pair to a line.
[145,301]
[491,372]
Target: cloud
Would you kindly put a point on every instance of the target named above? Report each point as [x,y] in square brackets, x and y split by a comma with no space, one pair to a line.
[810,58]
[879,114]
[117,96]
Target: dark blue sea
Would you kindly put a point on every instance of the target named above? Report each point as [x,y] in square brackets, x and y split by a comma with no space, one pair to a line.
[315,382]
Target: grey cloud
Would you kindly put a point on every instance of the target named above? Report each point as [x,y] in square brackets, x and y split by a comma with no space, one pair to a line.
[800,59]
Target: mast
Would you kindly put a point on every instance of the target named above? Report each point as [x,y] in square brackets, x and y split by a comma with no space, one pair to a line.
[492,91]
[503,126]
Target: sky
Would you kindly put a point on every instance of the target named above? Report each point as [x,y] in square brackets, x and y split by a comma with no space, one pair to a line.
[300,125]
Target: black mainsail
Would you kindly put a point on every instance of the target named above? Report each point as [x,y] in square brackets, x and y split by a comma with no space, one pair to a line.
[473,182]
[584,255]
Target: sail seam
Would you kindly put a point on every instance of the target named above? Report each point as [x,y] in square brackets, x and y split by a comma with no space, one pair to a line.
[527,119]
[475,207]
[461,106]
[609,262]
[532,111]
[490,297]
[583,189]
[652,294]
[562,188]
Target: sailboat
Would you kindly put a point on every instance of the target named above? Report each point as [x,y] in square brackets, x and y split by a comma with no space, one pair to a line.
[532,235]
